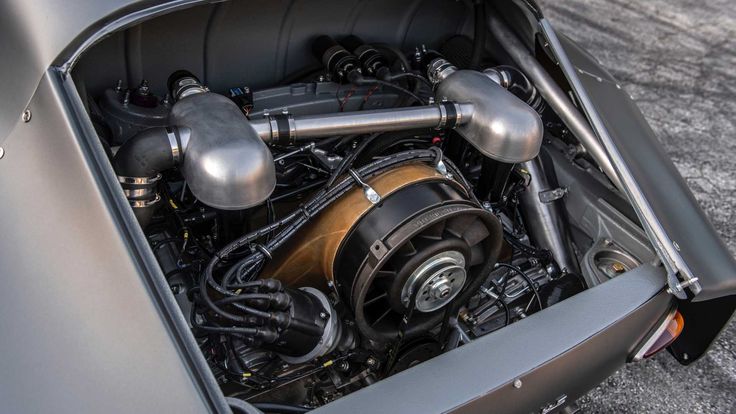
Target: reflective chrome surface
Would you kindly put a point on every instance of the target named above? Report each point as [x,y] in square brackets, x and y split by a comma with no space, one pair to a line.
[502,127]
[359,122]
[225,163]
[436,281]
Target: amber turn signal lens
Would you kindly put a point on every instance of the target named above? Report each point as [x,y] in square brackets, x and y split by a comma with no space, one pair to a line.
[670,329]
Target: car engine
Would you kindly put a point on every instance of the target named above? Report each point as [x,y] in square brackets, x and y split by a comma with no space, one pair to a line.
[357,219]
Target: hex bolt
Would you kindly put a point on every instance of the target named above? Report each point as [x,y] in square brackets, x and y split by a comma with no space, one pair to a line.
[26,115]
[517,383]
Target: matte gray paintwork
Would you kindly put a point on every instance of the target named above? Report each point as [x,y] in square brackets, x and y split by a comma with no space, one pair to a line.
[32,34]
[84,328]
[672,201]
[564,350]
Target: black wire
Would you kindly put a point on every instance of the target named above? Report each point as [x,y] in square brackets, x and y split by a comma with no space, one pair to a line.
[394,87]
[413,76]
[292,223]
[526,278]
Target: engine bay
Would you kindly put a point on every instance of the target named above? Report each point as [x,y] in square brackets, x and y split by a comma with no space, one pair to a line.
[384,205]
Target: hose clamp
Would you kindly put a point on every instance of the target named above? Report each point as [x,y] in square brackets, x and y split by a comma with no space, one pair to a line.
[175,147]
[443,116]
[144,203]
[139,180]
[274,129]
[449,115]
[138,192]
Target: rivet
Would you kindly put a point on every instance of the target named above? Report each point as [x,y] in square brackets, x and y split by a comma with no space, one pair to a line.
[27,115]
[517,384]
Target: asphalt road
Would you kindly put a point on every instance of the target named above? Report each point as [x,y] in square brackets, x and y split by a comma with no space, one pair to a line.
[677,59]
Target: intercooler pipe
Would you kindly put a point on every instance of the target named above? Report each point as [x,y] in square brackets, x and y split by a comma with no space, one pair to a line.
[228,165]
[555,97]
[286,129]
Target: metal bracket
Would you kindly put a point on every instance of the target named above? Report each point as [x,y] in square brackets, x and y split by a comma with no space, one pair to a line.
[369,192]
[548,196]
[329,161]
[442,169]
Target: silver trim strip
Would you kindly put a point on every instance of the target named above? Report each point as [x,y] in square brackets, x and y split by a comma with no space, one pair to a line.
[679,275]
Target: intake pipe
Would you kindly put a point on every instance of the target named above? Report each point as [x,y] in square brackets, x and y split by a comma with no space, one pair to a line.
[489,117]
[227,166]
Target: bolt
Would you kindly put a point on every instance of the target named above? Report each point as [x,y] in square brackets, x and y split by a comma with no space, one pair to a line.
[517,383]
[126,98]
[487,205]
[323,315]
[119,85]
[371,362]
[27,115]
[143,89]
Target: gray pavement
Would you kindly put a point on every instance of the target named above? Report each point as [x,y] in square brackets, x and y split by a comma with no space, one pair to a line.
[677,59]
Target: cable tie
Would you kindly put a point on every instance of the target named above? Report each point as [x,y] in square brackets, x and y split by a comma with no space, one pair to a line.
[305,211]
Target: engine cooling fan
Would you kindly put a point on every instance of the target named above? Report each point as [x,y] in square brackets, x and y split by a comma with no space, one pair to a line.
[419,248]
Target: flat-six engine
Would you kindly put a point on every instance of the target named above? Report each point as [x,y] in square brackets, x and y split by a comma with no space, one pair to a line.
[365,217]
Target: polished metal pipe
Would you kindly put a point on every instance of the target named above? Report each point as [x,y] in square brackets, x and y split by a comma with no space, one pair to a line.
[360,122]
[543,219]
[555,97]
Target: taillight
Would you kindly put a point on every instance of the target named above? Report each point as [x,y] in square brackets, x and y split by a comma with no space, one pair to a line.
[663,336]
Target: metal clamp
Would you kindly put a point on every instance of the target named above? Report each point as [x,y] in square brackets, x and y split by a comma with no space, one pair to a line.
[548,196]
[139,180]
[369,192]
[144,203]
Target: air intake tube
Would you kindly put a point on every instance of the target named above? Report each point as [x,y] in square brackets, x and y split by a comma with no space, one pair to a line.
[224,161]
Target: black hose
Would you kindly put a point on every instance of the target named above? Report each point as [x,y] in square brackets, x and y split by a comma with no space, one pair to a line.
[410,75]
[145,154]
[479,38]
[280,408]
